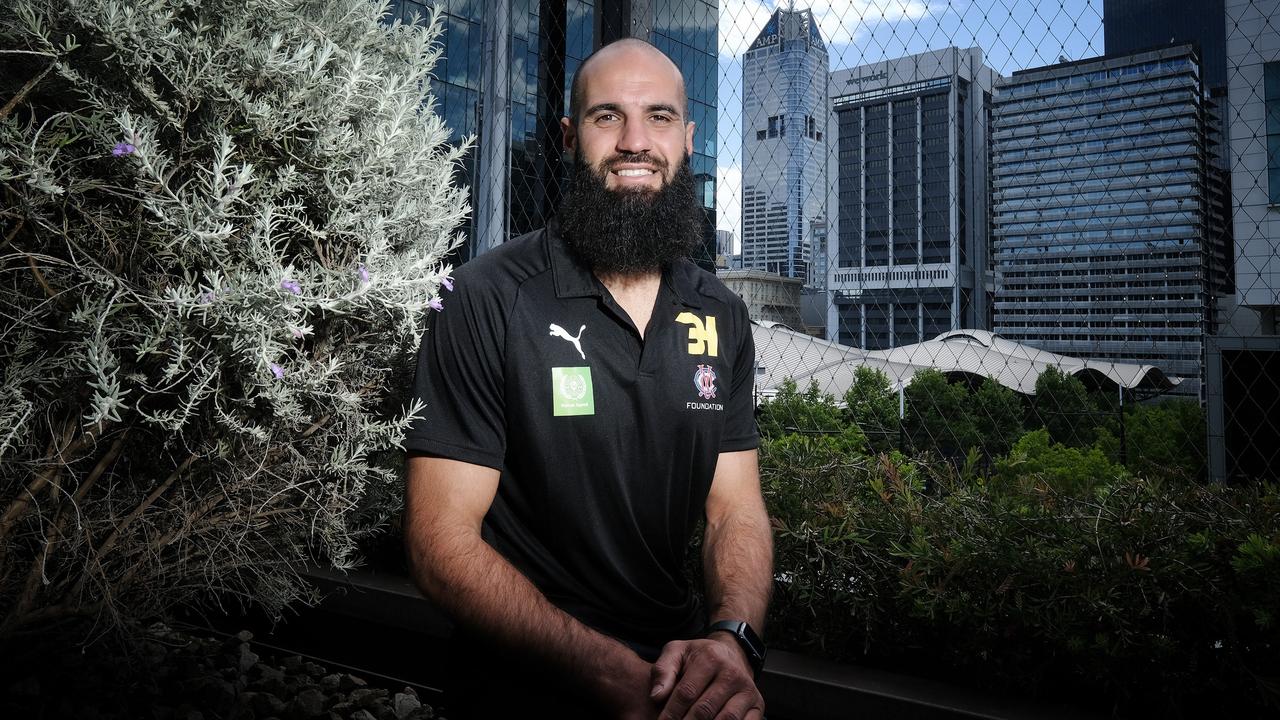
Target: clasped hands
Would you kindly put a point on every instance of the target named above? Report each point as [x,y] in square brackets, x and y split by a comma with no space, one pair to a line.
[704,679]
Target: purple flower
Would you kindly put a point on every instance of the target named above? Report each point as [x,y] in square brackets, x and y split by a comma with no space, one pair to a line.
[447,282]
[364,274]
[291,286]
[436,305]
[277,371]
[207,297]
[297,332]
[123,148]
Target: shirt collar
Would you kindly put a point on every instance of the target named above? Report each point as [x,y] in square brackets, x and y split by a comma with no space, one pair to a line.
[573,279]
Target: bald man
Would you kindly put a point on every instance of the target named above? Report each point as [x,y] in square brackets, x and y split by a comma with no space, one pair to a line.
[589,404]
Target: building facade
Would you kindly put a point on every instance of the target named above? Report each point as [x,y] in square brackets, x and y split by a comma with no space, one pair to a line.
[505,77]
[1253,50]
[784,148]
[908,248]
[1130,26]
[1103,220]
[769,297]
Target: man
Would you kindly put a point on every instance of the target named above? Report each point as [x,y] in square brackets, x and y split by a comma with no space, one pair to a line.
[588,397]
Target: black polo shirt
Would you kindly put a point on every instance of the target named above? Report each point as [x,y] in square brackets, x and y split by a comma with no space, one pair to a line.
[606,443]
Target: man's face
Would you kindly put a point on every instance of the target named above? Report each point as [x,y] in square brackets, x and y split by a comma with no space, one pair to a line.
[631,129]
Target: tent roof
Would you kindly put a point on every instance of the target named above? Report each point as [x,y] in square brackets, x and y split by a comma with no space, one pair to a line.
[782,353]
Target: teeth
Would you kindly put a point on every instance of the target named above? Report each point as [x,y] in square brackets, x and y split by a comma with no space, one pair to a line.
[634,173]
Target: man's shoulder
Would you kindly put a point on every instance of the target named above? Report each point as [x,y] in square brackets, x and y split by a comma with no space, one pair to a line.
[508,266]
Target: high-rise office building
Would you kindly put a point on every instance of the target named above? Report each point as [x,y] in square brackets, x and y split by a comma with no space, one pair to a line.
[1253,43]
[908,251]
[1130,26]
[1103,229]
[505,78]
[784,148]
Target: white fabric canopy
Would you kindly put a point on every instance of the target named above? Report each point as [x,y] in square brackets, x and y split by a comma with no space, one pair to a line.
[782,353]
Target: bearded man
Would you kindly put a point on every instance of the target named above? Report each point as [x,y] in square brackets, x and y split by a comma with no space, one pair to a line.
[589,402]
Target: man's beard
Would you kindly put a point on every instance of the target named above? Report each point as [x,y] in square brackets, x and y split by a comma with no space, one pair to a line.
[632,230]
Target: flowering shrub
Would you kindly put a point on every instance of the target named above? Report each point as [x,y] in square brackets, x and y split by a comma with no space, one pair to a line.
[222,223]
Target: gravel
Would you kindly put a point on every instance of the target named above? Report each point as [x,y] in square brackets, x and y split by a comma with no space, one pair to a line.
[171,675]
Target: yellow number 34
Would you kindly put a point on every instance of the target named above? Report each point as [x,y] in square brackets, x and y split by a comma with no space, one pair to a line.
[702,337]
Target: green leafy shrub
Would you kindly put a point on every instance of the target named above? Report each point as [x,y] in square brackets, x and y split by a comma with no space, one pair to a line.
[792,411]
[222,224]
[1036,459]
[1167,439]
[1156,598]
[1062,406]
[872,405]
[997,417]
[938,414]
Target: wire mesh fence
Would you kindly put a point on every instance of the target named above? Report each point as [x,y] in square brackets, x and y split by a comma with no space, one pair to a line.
[959,224]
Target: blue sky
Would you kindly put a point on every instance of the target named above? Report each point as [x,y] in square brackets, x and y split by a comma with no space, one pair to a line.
[1013,34]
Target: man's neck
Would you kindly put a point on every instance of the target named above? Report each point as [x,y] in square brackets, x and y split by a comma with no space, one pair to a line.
[635,293]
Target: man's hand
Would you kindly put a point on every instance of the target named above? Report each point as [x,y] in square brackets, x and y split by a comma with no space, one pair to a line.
[706,679]
[624,692]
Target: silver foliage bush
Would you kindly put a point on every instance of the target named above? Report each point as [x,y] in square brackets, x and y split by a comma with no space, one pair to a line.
[221,225]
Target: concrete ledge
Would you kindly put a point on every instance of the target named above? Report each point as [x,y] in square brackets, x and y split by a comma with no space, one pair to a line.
[797,687]
[802,687]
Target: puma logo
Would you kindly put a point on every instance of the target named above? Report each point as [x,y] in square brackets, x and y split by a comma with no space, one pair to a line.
[557,331]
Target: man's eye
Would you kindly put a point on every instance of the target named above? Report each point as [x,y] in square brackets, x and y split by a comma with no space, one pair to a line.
[661,119]
[606,118]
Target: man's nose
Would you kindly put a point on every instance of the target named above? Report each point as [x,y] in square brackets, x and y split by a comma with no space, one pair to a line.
[634,138]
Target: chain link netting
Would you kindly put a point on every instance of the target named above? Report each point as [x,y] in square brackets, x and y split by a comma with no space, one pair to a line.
[957,224]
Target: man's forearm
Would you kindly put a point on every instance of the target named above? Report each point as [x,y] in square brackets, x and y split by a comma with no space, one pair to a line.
[480,589]
[738,563]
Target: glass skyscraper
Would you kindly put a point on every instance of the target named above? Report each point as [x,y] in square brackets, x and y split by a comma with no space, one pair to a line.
[1131,26]
[784,146]
[1104,231]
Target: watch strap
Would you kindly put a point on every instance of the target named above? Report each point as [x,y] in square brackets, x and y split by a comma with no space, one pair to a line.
[747,639]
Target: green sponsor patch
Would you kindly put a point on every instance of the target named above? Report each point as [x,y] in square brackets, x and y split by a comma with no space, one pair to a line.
[571,392]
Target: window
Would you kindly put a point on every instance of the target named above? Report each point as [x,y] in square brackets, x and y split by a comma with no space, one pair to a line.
[1271,79]
[760,134]
[773,126]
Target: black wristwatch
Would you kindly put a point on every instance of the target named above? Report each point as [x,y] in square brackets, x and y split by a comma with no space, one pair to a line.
[747,640]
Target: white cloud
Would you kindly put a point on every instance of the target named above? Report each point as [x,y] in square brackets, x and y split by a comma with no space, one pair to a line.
[729,199]
[841,21]
[844,21]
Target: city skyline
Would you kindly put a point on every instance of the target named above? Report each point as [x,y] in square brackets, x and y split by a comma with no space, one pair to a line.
[1012,36]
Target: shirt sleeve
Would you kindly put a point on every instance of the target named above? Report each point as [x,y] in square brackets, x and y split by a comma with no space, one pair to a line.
[459,377]
[740,419]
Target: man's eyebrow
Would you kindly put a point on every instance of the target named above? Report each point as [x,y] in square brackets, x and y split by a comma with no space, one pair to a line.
[601,107]
[663,107]
[615,107]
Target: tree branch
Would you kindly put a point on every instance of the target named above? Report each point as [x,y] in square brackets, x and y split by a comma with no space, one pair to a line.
[111,540]
[26,90]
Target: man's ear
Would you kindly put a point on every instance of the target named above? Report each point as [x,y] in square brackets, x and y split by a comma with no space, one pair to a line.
[688,138]
[570,134]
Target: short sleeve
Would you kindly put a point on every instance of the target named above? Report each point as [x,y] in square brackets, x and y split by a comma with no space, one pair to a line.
[459,377]
[739,419]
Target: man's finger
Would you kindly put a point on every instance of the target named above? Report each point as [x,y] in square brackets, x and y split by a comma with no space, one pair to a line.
[666,668]
[743,705]
[691,688]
